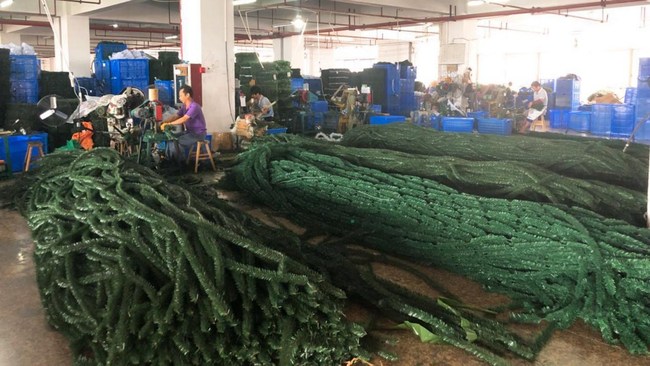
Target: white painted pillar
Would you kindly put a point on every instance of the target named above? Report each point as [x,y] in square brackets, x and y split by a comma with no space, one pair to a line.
[75,43]
[7,37]
[208,38]
[458,47]
[290,49]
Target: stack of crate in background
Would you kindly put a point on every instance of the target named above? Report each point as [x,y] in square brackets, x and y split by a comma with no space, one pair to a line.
[641,98]
[101,64]
[24,70]
[407,88]
[126,72]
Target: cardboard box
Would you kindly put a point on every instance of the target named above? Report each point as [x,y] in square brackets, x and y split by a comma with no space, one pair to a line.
[222,141]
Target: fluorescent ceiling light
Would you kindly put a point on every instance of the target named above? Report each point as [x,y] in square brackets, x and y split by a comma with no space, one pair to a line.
[242,2]
[171,37]
[115,25]
[476,2]
[298,22]
[6,3]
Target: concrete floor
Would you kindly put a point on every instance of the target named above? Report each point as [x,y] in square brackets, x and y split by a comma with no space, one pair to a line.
[27,340]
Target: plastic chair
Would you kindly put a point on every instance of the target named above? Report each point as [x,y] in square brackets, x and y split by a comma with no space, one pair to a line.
[199,156]
[28,158]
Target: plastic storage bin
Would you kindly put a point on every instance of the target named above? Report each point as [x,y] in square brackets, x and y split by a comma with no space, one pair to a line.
[601,119]
[579,121]
[644,73]
[319,106]
[643,133]
[87,86]
[495,126]
[457,124]
[104,50]
[630,96]
[23,67]
[567,94]
[18,148]
[558,118]
[130,69]
[275,131]
[623,120]
[382,120]
[165,91]
[24,91]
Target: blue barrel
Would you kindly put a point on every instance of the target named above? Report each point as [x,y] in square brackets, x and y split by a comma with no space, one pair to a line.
[623,121]
[601,119]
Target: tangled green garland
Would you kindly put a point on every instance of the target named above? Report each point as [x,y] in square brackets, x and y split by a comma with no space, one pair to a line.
[133,270]
[553,265]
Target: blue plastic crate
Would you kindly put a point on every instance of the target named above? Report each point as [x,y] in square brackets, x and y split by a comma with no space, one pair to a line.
[623,120]
[548,84]
[104,50]
[117,85]
[457,124]
[24,91]
[630,96]
[24,67]
[435,122]
[165,91]
[86,86]
[558,118]
[275,131]
[130,69]
[601,119]
[382,120]
[319,106]
[644,73]
[567,94]
[375,108]
[579,121]
[18,148]
[495,126]
[477,114]
[297,83]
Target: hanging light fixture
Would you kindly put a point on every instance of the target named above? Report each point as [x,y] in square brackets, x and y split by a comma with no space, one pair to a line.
[298,22]
[6,3]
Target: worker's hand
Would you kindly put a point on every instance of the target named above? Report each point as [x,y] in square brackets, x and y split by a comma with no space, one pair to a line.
[163,125]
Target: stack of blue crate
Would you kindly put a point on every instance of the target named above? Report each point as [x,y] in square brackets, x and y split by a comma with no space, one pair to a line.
[642,110]
[408,102]
[601,119]
[23,77]
[126,72]
[165,91]
[567,94]
[102,65]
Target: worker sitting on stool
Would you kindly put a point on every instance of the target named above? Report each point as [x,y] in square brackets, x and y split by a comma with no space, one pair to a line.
[537,107]
[262,106]
[192,117]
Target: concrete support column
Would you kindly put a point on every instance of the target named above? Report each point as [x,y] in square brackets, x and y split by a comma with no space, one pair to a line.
[458,47]
[290,49]
[208,38]
[75,43]
[6,38]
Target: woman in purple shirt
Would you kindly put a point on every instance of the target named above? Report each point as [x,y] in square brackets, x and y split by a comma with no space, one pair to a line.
[192,117]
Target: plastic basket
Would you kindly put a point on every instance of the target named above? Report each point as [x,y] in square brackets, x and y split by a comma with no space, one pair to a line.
[495,126]
[24,67]
[601,119]
[165,91]
[130,69]
[18,148]
[558,118]
[579,121]
[457,124]
[24,91]
[275,131]
[382,120]
[623,120]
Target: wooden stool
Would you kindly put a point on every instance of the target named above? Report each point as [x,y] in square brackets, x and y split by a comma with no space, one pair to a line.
[28,158]
[123,148]
[540,122]
[198,155]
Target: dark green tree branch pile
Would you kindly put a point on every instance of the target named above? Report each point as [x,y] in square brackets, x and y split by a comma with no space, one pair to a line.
[135,271]
[516,180]
[584,160]
[553,265]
